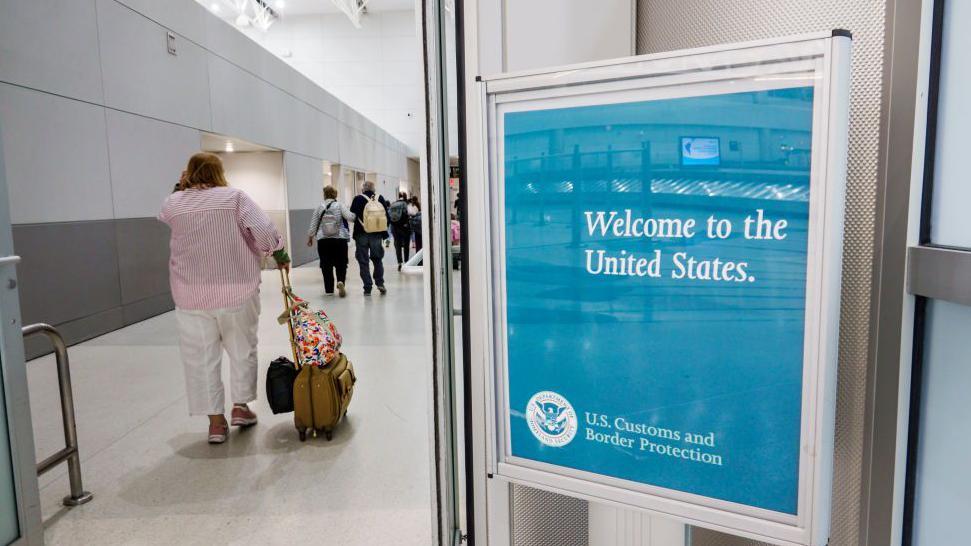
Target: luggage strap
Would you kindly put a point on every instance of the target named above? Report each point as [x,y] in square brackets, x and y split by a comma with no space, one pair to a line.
[287,316]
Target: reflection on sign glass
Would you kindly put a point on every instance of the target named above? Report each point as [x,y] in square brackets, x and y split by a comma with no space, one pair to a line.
[655,290]
[704,151]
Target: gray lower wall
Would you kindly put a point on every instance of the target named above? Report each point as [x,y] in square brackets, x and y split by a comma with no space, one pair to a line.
[89,278]
[300,253]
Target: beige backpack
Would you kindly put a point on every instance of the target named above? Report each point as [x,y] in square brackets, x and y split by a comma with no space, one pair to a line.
[375,218]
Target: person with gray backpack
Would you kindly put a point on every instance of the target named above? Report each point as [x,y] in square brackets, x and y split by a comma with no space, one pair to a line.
[329,227]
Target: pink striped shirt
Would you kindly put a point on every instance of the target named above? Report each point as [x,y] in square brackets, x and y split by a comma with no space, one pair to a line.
[219,236]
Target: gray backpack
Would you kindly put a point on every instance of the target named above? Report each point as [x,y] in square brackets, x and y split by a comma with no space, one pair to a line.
[330,223]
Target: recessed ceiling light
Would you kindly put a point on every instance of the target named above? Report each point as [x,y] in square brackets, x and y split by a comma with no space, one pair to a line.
[229,147]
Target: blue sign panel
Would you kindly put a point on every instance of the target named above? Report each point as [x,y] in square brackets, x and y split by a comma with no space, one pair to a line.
[655,307]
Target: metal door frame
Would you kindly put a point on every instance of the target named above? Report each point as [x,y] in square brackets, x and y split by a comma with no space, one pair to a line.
[934,271]
[14,377]
[449,479]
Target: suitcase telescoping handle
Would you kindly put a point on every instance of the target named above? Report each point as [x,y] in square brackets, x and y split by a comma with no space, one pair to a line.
[287,306]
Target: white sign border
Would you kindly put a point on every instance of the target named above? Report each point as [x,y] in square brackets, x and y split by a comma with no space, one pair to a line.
[772,63]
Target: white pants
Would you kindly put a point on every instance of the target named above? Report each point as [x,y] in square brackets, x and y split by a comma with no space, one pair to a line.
[203,334]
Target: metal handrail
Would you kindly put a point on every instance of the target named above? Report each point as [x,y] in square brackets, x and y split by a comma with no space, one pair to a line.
[70,453]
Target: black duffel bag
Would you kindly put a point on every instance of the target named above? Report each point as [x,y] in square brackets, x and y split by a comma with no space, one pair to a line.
[279,385]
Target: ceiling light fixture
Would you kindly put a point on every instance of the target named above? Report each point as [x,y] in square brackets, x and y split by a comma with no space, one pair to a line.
[229,147]
[353,9]
[246,13]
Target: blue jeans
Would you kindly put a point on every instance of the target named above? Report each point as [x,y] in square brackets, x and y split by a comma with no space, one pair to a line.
[370,247]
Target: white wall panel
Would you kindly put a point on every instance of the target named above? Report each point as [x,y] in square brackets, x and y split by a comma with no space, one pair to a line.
[186,17]
[237,48]
[260,175]
[147,157]
[360,66]
[571,32]
[56,157]
[401,48]
[352,147]
[327,135]
[404,72]
[399,23]
[248,107]
[52,46]
[241,104]
[350,48]
[305,181]
[338,25]
[140,76]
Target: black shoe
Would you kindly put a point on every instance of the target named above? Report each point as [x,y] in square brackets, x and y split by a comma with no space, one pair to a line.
[383,290]
[367,292]
[399,267]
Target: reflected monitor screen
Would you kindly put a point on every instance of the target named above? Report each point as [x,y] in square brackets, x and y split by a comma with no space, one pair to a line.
[700,151]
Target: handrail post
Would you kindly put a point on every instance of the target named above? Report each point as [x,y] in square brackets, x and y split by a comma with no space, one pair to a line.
[70,453]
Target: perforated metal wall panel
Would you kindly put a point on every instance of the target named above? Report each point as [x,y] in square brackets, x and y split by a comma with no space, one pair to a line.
[540,518]
[664,25]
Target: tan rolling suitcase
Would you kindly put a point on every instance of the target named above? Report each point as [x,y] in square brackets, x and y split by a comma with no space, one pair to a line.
[321,394]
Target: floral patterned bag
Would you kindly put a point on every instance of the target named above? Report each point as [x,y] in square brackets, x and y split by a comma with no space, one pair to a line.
[316,339]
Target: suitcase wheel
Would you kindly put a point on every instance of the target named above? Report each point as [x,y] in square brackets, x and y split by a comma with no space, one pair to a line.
[303,434]
[329,434]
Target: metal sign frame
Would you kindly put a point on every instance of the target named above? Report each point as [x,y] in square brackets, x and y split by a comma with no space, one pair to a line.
[821,60]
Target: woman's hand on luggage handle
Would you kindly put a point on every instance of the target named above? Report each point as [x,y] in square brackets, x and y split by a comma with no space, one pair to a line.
[282,260]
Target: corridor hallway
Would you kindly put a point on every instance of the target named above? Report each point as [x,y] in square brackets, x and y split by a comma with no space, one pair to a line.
[156,481]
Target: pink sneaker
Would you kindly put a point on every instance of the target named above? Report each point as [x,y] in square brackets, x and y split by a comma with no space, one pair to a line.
[243,417]
[218,433]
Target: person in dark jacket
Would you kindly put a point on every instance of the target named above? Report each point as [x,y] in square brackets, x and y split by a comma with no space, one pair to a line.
[400,228]
[414,211]
[369,245]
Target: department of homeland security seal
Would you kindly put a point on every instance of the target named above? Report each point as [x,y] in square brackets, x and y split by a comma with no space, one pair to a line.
[551,419]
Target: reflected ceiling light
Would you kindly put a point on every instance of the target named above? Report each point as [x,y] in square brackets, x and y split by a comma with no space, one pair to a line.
[215,8]
[242,20]
[279,4]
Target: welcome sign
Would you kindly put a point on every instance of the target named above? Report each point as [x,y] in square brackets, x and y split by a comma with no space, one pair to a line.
[659,264]
[655,311]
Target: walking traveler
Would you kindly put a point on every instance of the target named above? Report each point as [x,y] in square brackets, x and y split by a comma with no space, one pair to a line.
[414,214]
[329,227]
[400,228]
[370,230]
[219,237]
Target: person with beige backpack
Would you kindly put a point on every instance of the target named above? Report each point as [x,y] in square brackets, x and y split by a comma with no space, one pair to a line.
[370,231]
